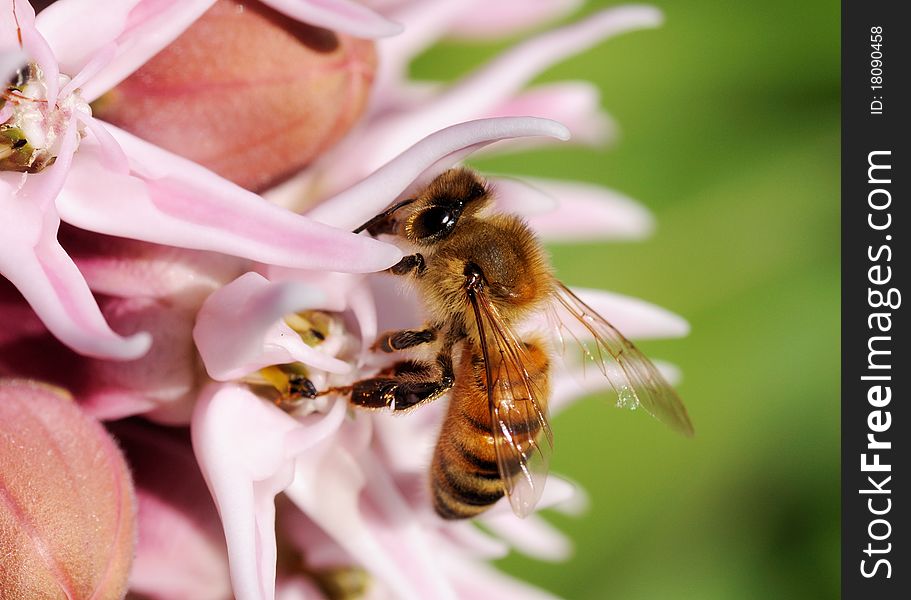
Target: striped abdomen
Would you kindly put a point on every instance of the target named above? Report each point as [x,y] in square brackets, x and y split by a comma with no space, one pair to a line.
[465,479]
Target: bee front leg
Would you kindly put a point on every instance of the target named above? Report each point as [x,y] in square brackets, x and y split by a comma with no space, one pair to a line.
[393,341]
[412,262]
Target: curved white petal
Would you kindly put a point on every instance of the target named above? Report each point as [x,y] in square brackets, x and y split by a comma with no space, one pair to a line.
[424,23]
[475,579]
[18,28]
[355,505]
[140,29]
[239,328]
[53,286]
[532,536]
[518,195]
[434,153]
[558,492]
[37,265]
[346,16]
[170,200]
[507,73]
[12,58]
[583,212]
[247,449]
[506,17]
[634,318]
[469,538]
[576,104]
[483,90]
[573,382]
[64,25]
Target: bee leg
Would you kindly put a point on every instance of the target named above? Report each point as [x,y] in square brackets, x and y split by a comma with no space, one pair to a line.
[300,388]
[412,383]
[412,262]
[392,341]
[385,221]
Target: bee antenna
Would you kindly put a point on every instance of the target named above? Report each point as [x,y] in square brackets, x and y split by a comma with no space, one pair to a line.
[383,215]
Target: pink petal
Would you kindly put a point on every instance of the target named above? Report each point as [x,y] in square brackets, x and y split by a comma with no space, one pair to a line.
[181,548]
[99,60]
[388,543]
[482,91]
[139,28]
[319,550]
[17,26]
[408,443]
[297,588]
[532,536]
[634,318]
[338,15]
[247,450]
[506,74]
[398,307]
[435,152]
[584,212]
[573,383]
[161,384]
[470,539]
[342,291]
[475,579]
[40,189]
[557,492]
[507,17]
[37,265]
[400,532]
[12,58]
[172,201]
[240,329]
[64,23]
[576,104]
[129,268]
[6,111]
[518,195]
[363,307]
[425,23]
[109,150]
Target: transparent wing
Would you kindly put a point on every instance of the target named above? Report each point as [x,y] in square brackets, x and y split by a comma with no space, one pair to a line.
[632,375]
[518,408]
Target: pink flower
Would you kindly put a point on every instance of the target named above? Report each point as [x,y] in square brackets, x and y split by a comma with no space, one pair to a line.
[318,495]
[59,162]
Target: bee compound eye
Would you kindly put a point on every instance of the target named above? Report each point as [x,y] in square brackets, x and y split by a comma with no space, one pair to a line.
[436,221]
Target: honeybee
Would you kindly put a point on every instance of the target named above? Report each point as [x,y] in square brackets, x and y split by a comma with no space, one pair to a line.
[481,275]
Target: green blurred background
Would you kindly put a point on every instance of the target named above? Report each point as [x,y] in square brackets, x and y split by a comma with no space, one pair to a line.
[729,118]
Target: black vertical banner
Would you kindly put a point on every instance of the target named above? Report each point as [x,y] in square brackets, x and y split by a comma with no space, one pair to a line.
[876,170]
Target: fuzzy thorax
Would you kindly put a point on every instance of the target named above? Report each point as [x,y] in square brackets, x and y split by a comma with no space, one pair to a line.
[516,273]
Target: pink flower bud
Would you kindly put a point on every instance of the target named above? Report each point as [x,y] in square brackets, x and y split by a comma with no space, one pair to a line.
[247,92]
[66,500]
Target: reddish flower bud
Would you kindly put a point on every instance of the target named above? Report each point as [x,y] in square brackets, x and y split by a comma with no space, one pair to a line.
[66,500]
[247,92]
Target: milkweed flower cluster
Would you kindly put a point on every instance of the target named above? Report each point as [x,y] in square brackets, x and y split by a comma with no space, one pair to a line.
[174,304]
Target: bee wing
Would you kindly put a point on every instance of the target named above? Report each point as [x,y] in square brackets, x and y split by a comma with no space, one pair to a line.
[522,436]
[632,375]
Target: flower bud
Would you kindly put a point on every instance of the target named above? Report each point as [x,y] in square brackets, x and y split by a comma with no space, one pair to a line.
[66,499]
[247,92]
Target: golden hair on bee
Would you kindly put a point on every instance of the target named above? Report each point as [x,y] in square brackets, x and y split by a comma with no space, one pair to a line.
[481,274]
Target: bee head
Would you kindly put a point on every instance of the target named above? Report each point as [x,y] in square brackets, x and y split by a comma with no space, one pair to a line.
[437,211]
